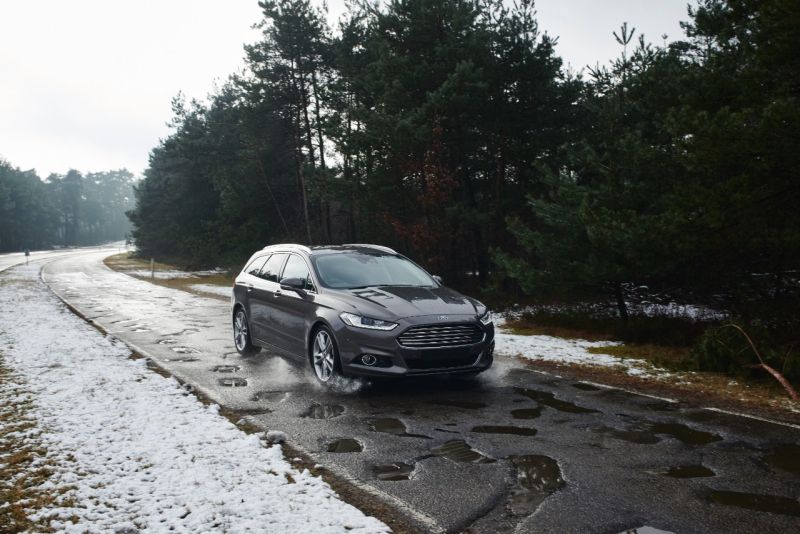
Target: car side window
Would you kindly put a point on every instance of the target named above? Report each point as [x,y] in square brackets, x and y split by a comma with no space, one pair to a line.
[255,266]
[272,268]
[297,268]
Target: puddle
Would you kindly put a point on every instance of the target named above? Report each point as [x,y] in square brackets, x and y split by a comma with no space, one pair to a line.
[685,434]
[585,387]
[226,368]
[446,431]
[232,382]
[393,472]
[690,471]
[345,445]
[526,413]
[269,396]
[185,359]
[467,405]
[753,501]
[390,425]
[498,429]
[185,350]
[642,437]
[459,451]
[548,399]
[537,477]
[167,341]
[785,457]
[324,411]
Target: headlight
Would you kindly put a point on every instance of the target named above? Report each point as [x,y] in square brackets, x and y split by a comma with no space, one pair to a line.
[365,322]
[486,318]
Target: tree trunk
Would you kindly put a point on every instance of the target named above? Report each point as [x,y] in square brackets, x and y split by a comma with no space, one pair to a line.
[621,306]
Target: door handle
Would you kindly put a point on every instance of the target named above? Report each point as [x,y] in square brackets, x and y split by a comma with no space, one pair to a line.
[277,293]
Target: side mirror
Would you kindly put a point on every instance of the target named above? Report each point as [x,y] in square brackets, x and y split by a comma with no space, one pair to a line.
[294,284]
[438,279]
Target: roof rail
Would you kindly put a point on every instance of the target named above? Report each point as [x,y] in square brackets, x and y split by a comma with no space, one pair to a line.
[367,245]
[289,246]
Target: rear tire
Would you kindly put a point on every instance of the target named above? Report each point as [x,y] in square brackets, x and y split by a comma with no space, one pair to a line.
[241,334]
[325,356]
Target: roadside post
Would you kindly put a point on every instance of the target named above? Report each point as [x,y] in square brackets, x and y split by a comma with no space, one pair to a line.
[152,268]
[27,255]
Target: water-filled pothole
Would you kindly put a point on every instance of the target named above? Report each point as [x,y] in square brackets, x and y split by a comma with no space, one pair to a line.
[537,477]
[184,359]
[345,445]
[585,387]
[167,341]
[549,399]
[269,396]
[639,436]
[459,451]
[785,457]
[684,433]
[499,429]
[390,425]
[185,350]
[226,369]
[466,404]
[527,413]
[690,471]
[754,501]
[324,411]
[232,382]
[393,471]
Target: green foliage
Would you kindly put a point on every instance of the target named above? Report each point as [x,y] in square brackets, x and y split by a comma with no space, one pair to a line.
[72,209]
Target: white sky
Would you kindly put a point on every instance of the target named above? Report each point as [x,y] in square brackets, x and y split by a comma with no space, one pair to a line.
[87,84]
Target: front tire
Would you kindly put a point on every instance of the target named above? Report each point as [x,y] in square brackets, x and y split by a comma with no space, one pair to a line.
[241,334]
[325,356]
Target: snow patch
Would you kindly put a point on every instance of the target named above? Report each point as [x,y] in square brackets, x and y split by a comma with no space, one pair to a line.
[223,291]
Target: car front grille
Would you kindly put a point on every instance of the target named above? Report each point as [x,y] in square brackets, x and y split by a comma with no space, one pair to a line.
[440,336]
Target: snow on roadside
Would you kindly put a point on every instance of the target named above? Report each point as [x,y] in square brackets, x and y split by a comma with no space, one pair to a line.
[223,291]
[132,450]
[565,350]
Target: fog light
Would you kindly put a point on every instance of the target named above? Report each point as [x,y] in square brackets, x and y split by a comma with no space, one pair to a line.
[369,359]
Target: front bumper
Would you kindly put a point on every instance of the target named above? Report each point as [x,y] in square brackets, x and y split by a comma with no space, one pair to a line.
[395,360]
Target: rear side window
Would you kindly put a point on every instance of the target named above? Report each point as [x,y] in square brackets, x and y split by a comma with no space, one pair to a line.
[255,266]
[272,268]
[297,268]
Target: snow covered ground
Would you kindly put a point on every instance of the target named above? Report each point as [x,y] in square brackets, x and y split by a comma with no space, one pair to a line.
[564,350]
[133,451]
[223,291]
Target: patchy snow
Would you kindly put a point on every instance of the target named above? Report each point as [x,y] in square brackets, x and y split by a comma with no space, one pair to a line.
[131,450]
[223,291]
[172,273]
[566,350]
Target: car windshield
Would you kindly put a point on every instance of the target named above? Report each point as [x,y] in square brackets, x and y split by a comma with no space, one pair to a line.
[354,270]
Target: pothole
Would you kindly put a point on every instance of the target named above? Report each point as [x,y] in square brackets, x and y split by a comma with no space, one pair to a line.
[459,451]
[585,387]
[168,341]
[393,471]
[499,429]
[684,433]
[549,399]
[690,471]
[226,369]
[185,359]
[527,413]
[537,478]
[345,445]
[269,396]
[785,457]
[232,382]
[324,411]
[639,436]
[774,504]
[390,425]
[185,350]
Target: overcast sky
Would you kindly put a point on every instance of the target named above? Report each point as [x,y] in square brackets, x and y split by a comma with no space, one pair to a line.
[87,84]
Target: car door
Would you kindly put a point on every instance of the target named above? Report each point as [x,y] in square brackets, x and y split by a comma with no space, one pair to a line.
[245,287]
[292,309]
[262,297]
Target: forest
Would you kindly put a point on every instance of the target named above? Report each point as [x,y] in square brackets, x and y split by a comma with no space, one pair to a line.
[73,209]
[452,131]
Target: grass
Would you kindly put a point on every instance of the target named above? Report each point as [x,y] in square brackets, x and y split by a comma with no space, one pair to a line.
[22,471]
[129,264]
[673,358]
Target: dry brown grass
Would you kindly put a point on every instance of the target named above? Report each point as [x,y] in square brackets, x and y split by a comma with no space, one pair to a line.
[126,263]
[22,471]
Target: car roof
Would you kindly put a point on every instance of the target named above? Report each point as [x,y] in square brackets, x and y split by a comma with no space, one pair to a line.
[323,249]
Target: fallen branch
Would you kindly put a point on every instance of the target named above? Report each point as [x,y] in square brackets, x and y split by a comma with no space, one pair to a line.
[771,370]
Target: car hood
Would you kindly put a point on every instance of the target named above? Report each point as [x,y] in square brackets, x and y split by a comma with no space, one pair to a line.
[398,302]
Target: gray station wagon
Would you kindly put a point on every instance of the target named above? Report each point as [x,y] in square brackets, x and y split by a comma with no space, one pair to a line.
[357,310]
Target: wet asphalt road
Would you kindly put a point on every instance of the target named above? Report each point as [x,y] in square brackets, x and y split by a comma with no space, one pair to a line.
[513,450]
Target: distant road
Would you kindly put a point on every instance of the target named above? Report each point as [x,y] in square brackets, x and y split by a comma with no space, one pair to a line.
[17,258]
